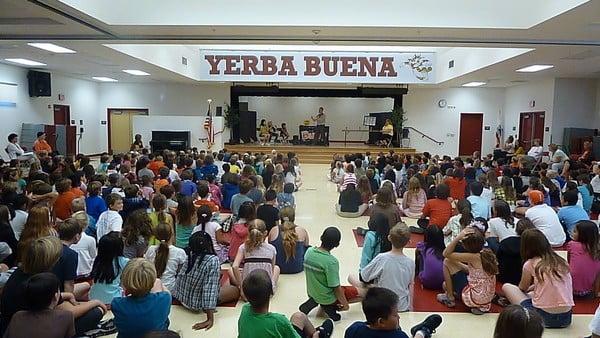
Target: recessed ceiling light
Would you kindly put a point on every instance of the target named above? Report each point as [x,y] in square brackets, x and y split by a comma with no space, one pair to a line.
[52,48]
[474,84]
[534,68]
[104,79]
[26,62]
[135,72]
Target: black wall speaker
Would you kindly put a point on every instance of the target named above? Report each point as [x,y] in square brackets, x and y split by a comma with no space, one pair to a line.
[219,111]
[39,83]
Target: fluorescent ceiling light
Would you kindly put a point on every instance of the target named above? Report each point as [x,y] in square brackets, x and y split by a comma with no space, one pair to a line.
[52,48]
[104,79]
[26,62]
[534,68]
[135,72]
[474,84]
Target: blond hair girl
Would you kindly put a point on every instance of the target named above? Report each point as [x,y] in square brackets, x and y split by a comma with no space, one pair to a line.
[290,241]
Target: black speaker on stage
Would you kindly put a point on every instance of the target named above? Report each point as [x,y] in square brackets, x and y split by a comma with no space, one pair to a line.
[248,126]
[39,83]
[219,111]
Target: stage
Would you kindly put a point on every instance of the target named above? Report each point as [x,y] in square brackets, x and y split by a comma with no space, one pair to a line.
[315,154]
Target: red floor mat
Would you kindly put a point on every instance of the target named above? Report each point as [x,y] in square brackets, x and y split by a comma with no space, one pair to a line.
[425,301]
[414,239]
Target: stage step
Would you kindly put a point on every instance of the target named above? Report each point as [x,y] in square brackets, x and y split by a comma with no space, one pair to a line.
[314,154]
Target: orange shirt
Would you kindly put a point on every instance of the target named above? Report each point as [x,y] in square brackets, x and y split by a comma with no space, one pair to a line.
[457,187]
[211,204]
[155,166]
[62,205]
[41,145]
[439,211]
[77,192]
[161,182]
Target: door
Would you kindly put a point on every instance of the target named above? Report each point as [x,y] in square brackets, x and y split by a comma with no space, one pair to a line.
[531,126]
[50,131]
[471,127]
[62,115]
[120,128]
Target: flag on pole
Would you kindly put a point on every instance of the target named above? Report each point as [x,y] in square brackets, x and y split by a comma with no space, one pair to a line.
[208,126]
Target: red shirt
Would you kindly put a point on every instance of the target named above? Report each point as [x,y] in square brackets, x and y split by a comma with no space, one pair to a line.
[457,187]
[155,166]
[439,211]
[62,205]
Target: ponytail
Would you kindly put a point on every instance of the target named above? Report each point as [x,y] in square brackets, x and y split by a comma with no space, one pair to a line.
[159,202]
[489,261]
[289,235]
[204,215]
[163,233]
[464,208]
[256,235]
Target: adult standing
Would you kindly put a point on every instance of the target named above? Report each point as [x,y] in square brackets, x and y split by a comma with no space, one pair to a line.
[320,118]
[13,149]
[41,144]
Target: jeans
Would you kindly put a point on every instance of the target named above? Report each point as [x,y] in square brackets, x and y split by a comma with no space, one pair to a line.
[551,320]
[88,321]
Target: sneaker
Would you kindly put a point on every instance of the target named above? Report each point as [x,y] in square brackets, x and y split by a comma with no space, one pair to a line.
[105,328]
[477,311]
[331,311]
[307,306]
[326,329]
[428,326]
[416,230]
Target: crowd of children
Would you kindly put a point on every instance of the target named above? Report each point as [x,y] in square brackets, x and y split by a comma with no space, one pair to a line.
[142,231]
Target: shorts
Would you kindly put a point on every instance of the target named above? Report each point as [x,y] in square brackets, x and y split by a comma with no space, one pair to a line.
[350,292]
[551,320]
[459,282]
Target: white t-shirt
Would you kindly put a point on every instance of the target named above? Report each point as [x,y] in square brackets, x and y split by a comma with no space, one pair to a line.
[86,252]
[18,222]
[545,219]
[595,323]
[394,272]
[596,184]
[176,261]
[211,229]
[501,229]
[536,152]
[488,194]
[108,221]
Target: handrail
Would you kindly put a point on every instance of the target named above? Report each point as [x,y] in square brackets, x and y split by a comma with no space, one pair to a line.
[426,136]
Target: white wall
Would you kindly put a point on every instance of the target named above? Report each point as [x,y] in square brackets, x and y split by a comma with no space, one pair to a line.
[574,106]
[340,112]
[80,95]
[443,124]
[517,100]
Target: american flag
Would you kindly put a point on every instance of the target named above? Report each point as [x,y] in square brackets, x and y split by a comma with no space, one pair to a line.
[208,126]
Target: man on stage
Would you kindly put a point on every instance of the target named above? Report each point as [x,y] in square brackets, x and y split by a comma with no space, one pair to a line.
[320,128]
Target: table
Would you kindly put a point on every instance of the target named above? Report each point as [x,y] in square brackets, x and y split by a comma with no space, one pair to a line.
[307,134]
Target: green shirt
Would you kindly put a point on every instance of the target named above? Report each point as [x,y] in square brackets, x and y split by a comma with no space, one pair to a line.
[264,325]
[322,272]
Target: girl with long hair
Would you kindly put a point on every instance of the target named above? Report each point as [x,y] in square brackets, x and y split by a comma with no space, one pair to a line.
[136,233]
[385,203]
[7,235]
[197,286]
[470,275]
[502,224]
[430,258]
[583,254]
[239,231]
[457,223]
[290,241]
[213,229]
[277,183]
[37,226]
[159,215]
[364,187]
[186,220]
[255,254]
[414,199]
[107,268]
[548,275]
[167,258]
[376,239]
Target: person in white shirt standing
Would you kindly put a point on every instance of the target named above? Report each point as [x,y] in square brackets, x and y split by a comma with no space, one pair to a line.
[110,220]
[545,219]
[85,248]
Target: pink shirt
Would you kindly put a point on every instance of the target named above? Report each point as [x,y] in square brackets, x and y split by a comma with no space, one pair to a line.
[552,292]
[584,268]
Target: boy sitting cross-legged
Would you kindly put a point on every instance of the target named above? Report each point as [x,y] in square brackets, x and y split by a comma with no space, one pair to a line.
[380,306]
[257,322]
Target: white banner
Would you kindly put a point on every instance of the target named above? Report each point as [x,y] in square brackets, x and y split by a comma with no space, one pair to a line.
[317,66]
[8,94]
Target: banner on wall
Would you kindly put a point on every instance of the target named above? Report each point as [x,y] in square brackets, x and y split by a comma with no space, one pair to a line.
[317,66]
[8,94]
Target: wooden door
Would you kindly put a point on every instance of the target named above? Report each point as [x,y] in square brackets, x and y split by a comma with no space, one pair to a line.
[62,115]
[50,131]
[471,128]
[120,131]
[538,126]
[531,126]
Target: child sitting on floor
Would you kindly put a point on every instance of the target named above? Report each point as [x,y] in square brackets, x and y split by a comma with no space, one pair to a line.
[167,258]
[583,254]
[380,307]
[107,269]
[430,258]
[198,284]
[392,270]
[256,320]
[147,303]
[286,198]
[322,272]
[472,274]
[239,232]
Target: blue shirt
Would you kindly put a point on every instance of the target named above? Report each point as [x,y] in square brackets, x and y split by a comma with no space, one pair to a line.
[362,330]
[586,197]
[66,267]
[236,201]
[94,206]
[371,248]
[106,292]
[134,317]
[570,215]
[480,207]
[188,188]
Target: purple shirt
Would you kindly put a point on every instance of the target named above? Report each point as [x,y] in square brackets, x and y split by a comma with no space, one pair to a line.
[584,268]
[431,272]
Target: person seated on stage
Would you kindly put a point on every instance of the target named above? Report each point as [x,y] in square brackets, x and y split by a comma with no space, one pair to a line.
[387,132]
[263,132]
[13,149]
[41,144]
[283,132]
[273,134]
